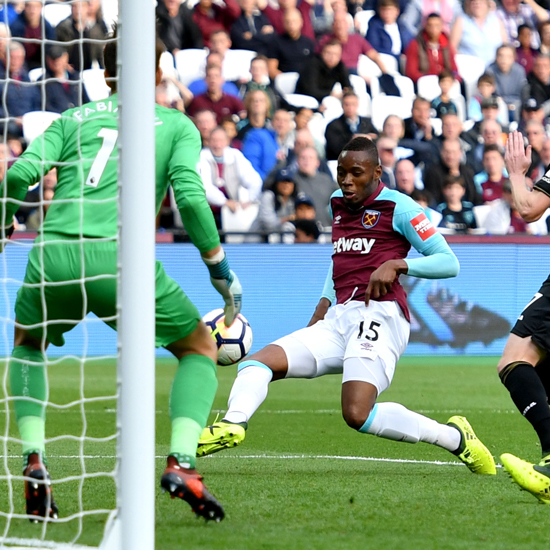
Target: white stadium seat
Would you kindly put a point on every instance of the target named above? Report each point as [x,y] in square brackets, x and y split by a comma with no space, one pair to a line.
[286,82]
[168,66]
[55,13]
[236,64]
[470,68]
[94,82]
[36,122]
[238,221]
[190,64]
[35,74]
[362,19]
[385,105]
[333,167]
[301,100]
[428,87]
[333,108]
[360,88]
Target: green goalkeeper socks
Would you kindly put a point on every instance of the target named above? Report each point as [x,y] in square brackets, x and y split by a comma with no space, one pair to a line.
[191,399]
[28,379]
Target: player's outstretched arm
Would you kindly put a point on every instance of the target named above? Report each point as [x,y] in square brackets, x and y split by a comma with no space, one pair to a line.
[531,205]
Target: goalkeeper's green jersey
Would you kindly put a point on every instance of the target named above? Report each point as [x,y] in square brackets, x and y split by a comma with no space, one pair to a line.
[82,144]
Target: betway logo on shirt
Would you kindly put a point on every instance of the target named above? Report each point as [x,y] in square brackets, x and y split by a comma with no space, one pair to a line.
[361,245]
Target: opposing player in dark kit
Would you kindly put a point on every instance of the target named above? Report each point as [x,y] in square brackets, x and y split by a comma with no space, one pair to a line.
[523,367]
[366,332]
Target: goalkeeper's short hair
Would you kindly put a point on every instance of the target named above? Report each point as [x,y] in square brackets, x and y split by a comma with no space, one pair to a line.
[110,53]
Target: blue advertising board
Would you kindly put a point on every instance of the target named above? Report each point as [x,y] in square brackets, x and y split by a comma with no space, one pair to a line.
[468,315]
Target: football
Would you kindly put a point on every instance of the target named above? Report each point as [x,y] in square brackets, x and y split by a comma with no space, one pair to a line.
[233,342]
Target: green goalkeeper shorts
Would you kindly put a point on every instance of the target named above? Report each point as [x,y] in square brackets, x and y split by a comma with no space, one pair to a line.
[66,280]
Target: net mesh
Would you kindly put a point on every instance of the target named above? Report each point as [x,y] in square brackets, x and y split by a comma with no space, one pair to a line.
[81,428]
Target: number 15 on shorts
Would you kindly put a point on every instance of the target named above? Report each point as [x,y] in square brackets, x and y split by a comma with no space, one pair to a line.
[369,330]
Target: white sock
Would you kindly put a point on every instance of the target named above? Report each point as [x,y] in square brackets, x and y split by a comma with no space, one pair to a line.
[396,422]
[248,392]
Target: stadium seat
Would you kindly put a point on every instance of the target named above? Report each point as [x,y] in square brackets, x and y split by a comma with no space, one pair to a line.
[94,82]
[333,108]
[480,213]
[428,87]
[55,13]
[360,88]
[36,122]
[301,100]
[333,166]
[406,87]
[437,125]
[35,74]
[385,105]
[190,64]
[317,126]
[286,82]
[362,19]
[168,66]
[238,221]
[236,64]
[470,68]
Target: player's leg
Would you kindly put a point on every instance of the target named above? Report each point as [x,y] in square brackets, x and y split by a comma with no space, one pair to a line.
[180,330]
[306,353]
[375,341]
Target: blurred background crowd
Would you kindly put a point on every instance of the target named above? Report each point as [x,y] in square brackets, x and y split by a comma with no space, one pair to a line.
[276,89]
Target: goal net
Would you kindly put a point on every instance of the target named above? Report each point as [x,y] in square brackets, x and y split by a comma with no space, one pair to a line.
[45,68]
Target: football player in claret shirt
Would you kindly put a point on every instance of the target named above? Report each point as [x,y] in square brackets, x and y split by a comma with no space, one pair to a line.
[77,246]
[365,333]
[524,367]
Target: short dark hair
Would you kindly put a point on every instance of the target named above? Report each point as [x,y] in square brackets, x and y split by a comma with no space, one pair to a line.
[486,78]
[259,57]
[387,3]
[365,144]
[421,195]
[332,42]
[110,54]
[492,147]
[349,92]
[420,99]
[522,27]
[451,180]
[445,73]
[433,15]
[309,227]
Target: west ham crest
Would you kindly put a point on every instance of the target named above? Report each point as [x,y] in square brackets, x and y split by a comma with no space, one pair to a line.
[370,218]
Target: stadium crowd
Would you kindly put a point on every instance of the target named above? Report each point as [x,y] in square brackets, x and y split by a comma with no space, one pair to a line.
[276,89]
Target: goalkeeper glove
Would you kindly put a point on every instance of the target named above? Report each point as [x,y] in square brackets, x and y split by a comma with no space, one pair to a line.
[7,233]
[226,282]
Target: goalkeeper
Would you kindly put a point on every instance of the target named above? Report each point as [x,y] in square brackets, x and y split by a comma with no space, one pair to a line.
[77,246]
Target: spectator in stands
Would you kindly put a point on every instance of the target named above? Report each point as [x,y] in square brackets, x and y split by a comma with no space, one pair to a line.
[322,72]
[490,110]
[198,86]
[256,103]
[525,54]
[211,17]
[277,15]
[252,30]
[315,184]
[536,136]
[450,164]
[405,176]
[9,11]
[419,127]
[277,206]
[386,153]
[545,153]
[415,13]
[451,128]
[307,231]
[175,26]
[260,81]
[215,99]
[486,89]
[544,32]
[18,95]
[430,52]
[282,124]
[478,31]
[291,50]
[5,37]
[386,34]
[503,218]
[538,83]
[514,13]
[97,29]
[342,129]
[62,89]
[29,24]
[443,104]
[260,148]
[225,173]
[491,134]
[205,121]
[509,79]
[353,45]
[457,214]
[531,110]
[494,173]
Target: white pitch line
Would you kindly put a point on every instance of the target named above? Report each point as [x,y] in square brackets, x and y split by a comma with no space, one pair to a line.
[286,457]
[339,411]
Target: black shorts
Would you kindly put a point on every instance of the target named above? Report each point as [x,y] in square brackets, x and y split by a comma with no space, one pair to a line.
[534,320]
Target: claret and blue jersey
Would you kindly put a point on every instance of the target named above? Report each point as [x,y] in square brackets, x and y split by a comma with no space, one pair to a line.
[382,229]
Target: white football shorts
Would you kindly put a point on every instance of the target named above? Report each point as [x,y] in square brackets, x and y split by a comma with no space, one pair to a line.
[362,343]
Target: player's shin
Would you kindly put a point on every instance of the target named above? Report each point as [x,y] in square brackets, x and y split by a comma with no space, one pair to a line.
[249,391]
[396,422]
[191,399]
[528,393]
[27,373]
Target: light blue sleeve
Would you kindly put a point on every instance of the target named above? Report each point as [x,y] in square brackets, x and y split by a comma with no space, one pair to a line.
[439,260]
[328,290]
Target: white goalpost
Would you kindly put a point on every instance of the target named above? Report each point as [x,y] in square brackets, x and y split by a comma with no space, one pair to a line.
[130,523]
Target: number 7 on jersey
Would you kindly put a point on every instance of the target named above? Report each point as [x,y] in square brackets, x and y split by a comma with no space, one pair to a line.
[102,158]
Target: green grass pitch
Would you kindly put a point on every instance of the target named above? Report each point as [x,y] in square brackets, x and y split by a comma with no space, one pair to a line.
[302,479]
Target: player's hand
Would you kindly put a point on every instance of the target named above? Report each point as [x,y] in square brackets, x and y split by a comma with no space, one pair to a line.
[7,232]
[232,294]
[518,158]
[382,279]
[320,311]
